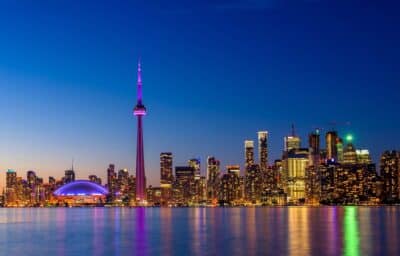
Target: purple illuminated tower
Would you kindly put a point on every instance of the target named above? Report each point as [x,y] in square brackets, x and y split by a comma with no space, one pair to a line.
[140,111]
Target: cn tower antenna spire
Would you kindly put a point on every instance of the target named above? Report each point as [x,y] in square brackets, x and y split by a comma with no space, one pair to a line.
[139,84]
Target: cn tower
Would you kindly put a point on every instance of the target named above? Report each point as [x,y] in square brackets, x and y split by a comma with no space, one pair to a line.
[140,111]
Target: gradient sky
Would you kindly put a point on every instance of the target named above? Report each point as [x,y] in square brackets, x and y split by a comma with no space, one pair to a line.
[214,74]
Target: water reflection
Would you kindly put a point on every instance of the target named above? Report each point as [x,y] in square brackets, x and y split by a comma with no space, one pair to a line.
[166,231]
[141,236]
[351,236]
[60,226]
[298,231]
[202,231]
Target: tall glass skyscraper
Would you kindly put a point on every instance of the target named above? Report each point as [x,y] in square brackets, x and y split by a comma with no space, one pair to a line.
[263,149]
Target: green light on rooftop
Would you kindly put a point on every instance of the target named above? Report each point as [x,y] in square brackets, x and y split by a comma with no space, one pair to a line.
[349,138]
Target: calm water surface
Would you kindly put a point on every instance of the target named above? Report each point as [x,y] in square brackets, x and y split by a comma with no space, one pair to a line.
[201,231]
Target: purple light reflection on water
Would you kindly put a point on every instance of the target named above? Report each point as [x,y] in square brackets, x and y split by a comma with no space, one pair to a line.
[140,230]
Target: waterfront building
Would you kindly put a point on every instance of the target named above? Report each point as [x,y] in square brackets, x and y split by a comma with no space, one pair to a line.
[313,185]
[11,187]
[166,174]
[185,185]
[314,147]
[291,142]
[200,194]
[390,171]
[327,180]
[95,179]
[213,178]
[294,167]
[339,149]
[253,184]
[69,176]
[248,153]
[154,196]
[167,177]
[195,164]
[80,192]
[112,182]
[123,185]
[363,156]
[263,149]
[230,191]
[355,183]
[331,139]
[349,154]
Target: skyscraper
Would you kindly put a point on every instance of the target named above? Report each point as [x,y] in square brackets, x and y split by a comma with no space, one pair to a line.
[390,171]
[213,177]
[213,168]
[112,181]
[167,178]
[166,169]
[314,142]
[331,139]
[295,167]
[11,186]
[195,164]
[350,154]
[69,176]
[314,147]
[292,141]
[140,111]
[249,153]
[263,149]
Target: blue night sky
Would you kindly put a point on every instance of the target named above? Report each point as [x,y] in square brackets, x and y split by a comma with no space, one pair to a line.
[213,75]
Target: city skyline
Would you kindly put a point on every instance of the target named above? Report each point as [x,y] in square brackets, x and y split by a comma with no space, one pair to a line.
[78,103]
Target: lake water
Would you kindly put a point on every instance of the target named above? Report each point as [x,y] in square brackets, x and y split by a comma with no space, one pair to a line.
[201,231]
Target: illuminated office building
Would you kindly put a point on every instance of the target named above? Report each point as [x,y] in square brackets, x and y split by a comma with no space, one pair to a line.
[213,177]
[390,171]
[331,138]
[339,148]
[195,164]
[112,181]
[167,177]
[253,184]
[154,195]
[185,177]
[263,149]
[363,156]
[132,190]
[230,191]
[200,193]
[248,153]
[294,167]
[313,184]
[292,142]
[166,169]
[349,154]
[123,185]
[355,183]
[314,147]
[327,181]
[11,187]
[31,179]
